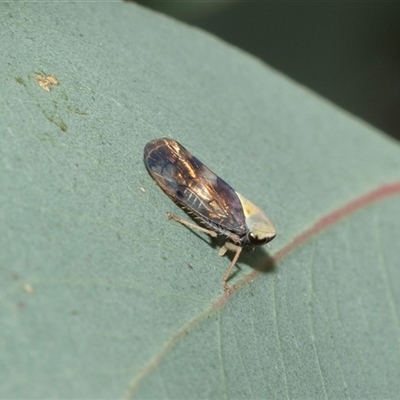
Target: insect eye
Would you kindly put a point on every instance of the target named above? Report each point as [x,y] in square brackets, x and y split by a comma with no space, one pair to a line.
[255,241]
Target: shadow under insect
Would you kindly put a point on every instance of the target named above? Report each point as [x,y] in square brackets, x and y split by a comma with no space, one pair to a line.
[256,258]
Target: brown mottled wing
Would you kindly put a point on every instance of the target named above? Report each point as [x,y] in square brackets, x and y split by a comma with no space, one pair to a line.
[190,183]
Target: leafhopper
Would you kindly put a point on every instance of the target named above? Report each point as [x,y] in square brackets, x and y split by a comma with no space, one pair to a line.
[209,199]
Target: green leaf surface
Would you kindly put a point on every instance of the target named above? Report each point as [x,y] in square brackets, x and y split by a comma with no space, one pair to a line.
[102,296]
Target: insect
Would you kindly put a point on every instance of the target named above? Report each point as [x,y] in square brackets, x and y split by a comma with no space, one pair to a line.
[210,200]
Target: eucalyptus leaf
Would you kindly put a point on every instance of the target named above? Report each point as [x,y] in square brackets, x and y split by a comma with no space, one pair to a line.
[103,296]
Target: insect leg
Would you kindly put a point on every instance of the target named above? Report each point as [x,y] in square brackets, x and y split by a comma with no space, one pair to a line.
[189,224]
[229,246]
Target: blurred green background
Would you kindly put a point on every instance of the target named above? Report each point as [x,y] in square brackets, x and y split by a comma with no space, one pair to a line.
[348,52]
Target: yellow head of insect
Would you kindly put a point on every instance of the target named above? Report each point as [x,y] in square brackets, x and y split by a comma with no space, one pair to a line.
[260,228]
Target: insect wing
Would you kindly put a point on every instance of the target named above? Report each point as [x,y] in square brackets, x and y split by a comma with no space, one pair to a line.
[194,186]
